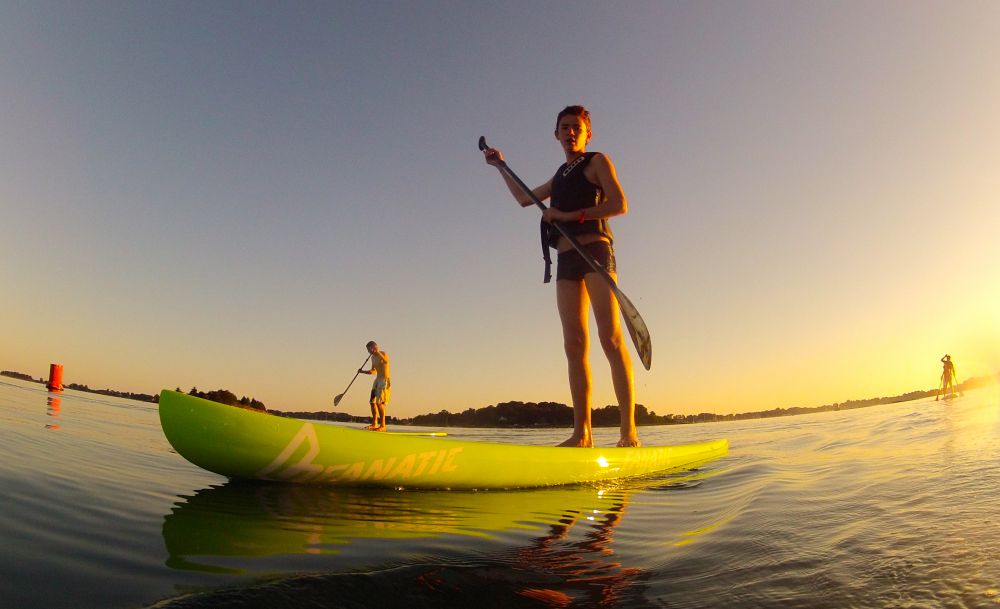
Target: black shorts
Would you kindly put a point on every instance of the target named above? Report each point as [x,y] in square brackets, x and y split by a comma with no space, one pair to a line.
[573,267]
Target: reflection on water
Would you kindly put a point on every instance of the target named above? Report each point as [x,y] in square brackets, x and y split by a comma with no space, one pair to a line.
[245,519]
[52,410]
[566,556]
[588,567]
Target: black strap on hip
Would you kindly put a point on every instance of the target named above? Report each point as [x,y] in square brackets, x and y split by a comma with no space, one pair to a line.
[545,251]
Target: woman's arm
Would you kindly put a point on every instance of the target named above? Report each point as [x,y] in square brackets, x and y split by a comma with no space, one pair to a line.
[604,175]
[495,157]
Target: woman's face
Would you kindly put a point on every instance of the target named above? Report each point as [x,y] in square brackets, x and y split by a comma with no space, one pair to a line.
[572,133]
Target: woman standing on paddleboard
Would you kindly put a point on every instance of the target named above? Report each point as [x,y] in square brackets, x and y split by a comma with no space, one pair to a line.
[585,192]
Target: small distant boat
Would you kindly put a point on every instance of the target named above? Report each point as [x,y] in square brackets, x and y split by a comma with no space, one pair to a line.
[247,444]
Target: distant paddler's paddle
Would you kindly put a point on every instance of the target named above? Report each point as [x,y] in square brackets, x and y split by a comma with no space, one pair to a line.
[336,400]
[633,321]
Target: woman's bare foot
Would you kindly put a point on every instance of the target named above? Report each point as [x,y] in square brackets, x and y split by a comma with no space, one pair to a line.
[629,439]
[579,442]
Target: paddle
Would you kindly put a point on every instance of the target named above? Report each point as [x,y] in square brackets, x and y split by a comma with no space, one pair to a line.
[633,321]
[336,400]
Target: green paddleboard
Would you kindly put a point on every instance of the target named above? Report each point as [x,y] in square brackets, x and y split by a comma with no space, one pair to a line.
[248,444]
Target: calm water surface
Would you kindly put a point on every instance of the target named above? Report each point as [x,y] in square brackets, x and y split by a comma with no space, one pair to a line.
[889,506]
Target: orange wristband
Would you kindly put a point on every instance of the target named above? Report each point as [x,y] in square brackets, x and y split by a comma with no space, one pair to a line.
[583,218]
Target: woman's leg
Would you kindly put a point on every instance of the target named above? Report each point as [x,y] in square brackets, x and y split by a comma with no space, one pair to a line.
[609,331]
[572,300]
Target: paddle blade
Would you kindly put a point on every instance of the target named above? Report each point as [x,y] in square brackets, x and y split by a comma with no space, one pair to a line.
[336,400]
[636,329]
[482,142]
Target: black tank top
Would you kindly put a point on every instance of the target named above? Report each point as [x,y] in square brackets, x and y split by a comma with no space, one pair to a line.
[572,191]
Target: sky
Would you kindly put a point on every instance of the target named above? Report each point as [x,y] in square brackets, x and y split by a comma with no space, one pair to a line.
[240,195]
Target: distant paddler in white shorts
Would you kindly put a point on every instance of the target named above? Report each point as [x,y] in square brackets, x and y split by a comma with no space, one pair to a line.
[380,388]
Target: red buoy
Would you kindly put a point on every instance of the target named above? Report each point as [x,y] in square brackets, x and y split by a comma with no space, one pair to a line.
[55,377]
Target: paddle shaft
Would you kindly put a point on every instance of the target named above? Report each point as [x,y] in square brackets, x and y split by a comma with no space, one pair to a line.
[633,321]
[336,400]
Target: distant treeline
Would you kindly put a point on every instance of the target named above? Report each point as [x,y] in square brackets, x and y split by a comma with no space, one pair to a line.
[554,414]
[527,414]
[20,375]
[339,417]
[224,396]
[139,397]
